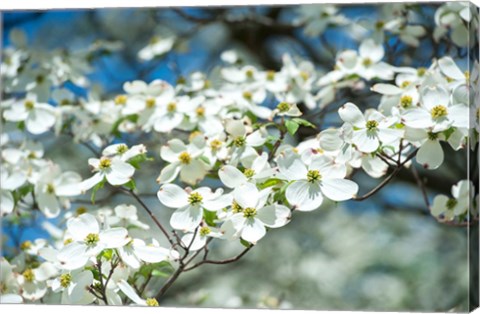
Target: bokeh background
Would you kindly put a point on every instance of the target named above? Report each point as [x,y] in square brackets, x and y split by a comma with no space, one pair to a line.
[385,253]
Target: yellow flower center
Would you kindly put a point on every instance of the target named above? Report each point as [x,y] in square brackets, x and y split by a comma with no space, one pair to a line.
[185,158]
[122,148]
[239,141]
[200,111]
[284,106]
[247,95]
[270,75]
[405,84]
[28,275]
[249,173]
[367,62]
[91,239]
[171,107]
[121,100]
[29,105]
[204,231]
[249,73]
[371,125]
[421,71]
[432,136]
[67,241]
[50,188]
[467,75]
[406,101]
[150,103]
[195,198]
[25,245]
[236,208]
[65,280]
[152,302]
[215,144]
[439,112]
[105,163]
[80,210]
[313,176]
[379,24]
[304,75]
[249,212]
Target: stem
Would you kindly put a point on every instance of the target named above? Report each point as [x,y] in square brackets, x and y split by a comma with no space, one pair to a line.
[221,262]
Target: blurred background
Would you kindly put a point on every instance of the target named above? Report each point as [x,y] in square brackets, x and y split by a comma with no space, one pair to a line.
[385,253]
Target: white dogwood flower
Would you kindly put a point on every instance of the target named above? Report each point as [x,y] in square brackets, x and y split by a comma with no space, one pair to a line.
[38,117]
[446,208]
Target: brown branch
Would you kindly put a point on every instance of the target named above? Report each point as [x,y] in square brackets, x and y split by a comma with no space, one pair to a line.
[220,262]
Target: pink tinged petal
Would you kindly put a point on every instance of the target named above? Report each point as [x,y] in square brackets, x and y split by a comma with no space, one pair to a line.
[351,114]
[91,182]
[187,218]
[339,189]
[231,176]
[73,256]
[48,204]
[439,205]
[114,238]
[169,173]
[365,141]
[274,216]
[218,203]
[82,225]
[417,118]
[246,195]
[253,230]
[172,196]
[304,196]
[430,154]
[292,167]
[194,172]
[172,149]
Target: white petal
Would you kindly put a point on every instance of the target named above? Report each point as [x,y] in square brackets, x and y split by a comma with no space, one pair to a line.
[114,237]
[450,69]
[430,154]
[351,114]
[82,225]
[121,172]
[48,204]
[304,196]
[173,196]
[169,173]
[247,195]
[339,189]
[187,218]
[417,118]
[253,230]
[231,176]
[73,256]
[386,89]
[274,216]
[365,141]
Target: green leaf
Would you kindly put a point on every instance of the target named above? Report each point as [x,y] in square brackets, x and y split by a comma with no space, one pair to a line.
[270,182]
[161,269]
[210,217]
[137,160]
[133,118]
[448,133]
[96,188]
[21,125]
[245,243]
[204,159]
[304,122]
[131,185]
[292,126]
[107,254]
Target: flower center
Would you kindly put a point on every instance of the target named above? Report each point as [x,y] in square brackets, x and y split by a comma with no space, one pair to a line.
[249,73]
[367,62]
[249,173]
[151,302]
[405,84]
[304,75]
[80,210]
[171,107]
[439,112]
[215,144]
[200,111]
[247,95]
[451,203]
[25,245]
[467,75]
[283,106]
[185,158]
[29,104]
[205,231]
[50,188]
[121,100]
[122,148]
[91,239]
[371,125]
[249,212]
[28,275]
[432,136]
[270,75]
[406,101]
[150,103]
[313,176]
[379,24]
[421,71]
[239,141]
[105,163]
[195,198]
[67,241]
[236,208]
[65,280]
